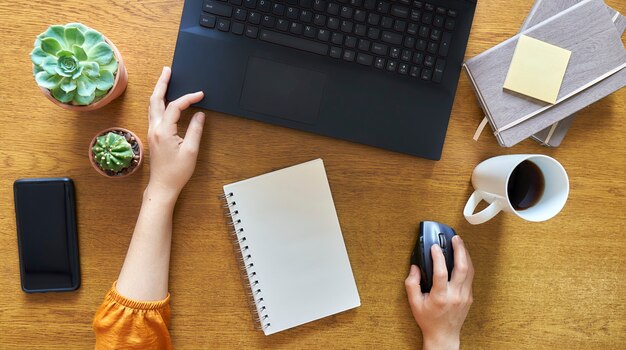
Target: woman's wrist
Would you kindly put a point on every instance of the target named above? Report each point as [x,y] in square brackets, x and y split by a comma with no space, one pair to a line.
[441,342]
[161,195]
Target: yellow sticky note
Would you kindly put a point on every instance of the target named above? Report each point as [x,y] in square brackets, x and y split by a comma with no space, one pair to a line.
[537,69]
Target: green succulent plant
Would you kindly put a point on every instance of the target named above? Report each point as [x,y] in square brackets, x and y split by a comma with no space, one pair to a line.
[112,152]
[74,62]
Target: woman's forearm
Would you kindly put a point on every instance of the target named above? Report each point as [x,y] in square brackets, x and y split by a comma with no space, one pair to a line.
[145,272]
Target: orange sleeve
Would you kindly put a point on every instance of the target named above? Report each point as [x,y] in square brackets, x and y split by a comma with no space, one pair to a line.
[122,323]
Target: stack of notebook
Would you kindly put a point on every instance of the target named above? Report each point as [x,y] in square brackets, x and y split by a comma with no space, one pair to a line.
[595,67]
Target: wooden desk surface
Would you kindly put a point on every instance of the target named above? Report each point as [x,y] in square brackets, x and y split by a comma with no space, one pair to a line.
[558,284]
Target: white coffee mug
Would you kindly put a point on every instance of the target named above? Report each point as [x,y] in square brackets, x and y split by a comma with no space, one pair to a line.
[490,180]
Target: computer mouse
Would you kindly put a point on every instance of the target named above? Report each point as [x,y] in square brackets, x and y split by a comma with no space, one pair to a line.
[430,233]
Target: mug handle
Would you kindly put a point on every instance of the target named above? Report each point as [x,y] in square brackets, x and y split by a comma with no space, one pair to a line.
[484,215]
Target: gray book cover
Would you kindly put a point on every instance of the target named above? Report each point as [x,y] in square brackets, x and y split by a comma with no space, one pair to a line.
[540,11]
[587,30]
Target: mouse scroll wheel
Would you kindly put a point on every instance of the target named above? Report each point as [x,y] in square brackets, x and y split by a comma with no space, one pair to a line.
[442,241]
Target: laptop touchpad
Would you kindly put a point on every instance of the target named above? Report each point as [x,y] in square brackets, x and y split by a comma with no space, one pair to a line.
[282,90]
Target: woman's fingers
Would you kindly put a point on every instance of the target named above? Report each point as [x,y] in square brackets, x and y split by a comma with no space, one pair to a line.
[461,263]
[172,113]
[440,271]
[157,100]
[194,132]
[412,285]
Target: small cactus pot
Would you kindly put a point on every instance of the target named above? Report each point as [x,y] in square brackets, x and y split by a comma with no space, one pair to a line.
[137,147]
[119,86]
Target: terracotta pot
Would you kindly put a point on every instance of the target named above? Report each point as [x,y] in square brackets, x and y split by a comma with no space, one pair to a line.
[97,167]
[119,86]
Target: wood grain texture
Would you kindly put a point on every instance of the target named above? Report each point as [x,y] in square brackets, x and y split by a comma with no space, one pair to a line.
[558,284]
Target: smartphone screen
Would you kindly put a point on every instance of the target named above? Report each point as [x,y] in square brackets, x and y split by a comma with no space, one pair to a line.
[46,234]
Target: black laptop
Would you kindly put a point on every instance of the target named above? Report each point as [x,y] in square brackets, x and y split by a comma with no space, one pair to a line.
[378,72]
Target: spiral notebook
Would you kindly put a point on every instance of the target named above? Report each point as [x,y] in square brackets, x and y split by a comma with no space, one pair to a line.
[292,251]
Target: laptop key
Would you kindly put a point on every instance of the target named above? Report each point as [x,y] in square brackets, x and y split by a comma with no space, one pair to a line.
[400,11]
[426,74]
[319,20]
[418,58]
[449,24]
[435,34]
[409,42]
[359,15]
[364,45]
[387,22]
[282,24]
[333,22]
[432,47]
[337,38]
[415,15]
[254,17]
[445,43]
[335,52]
[349,55]
[438,71]
[323,35]
[332,9]
[379,49]
[293,13]
[310,32]
[293,42]
[265,6]
[406,55]
[249,3]
[395,52]
[319,5]
[236,2]
[382,7]
[392,65]
[373,33]
[217,8]
[252,32]
[414,72]
[268,21]
[306,16]
[429,61]
[364,59]
[207,21]
[379,63]
[296,28]
[403,68]
[438,21]
[346,26]
[237,28]
[223,24]
[278,9]
[391,38]
[350,41]
[241,14]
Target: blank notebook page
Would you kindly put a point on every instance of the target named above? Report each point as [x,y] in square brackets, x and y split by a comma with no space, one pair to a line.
[295,249]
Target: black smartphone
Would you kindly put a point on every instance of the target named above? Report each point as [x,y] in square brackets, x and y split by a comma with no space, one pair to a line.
[47,240]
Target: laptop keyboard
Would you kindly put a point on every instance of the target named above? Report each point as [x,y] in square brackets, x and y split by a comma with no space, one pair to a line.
[406,37]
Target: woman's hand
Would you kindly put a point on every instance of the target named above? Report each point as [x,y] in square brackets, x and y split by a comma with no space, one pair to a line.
[172,158]
[441,313]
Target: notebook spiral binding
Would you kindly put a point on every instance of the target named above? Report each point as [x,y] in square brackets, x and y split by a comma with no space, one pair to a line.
[246,262]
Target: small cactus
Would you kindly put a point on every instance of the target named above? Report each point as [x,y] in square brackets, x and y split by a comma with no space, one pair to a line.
[112,152]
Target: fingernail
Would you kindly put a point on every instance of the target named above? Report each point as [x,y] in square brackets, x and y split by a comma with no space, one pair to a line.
[437,247]
[413,270]
[457,237]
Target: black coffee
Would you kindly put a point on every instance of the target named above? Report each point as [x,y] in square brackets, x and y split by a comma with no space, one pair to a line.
[526,185]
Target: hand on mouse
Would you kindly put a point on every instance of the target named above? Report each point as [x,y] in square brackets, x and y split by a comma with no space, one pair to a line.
[440,314]
[172,158]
